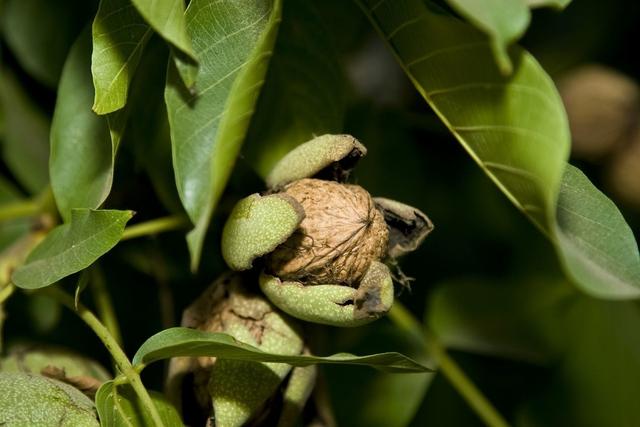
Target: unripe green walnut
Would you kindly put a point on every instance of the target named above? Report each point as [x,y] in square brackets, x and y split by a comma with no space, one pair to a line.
[34,400]
[341,234]
[234,391]
[57,363]
[322,241]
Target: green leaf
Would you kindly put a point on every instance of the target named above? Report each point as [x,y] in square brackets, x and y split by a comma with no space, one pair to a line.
[167,18]
[380,399]
[119,37]
[72,247]
[119,406]
[30,400]
[504,21]
[489,114]
[82,148]
[516,129]
[176,342]
[234,41]
[25,146]
[596,245]
[40,33]
[305,91]
[556,4]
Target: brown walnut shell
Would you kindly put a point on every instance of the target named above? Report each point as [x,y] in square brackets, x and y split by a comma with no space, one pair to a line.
[341,234]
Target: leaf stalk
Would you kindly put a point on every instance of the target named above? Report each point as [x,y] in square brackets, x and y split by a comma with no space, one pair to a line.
[424,337]
[155,226]
[20,209]
[110,343]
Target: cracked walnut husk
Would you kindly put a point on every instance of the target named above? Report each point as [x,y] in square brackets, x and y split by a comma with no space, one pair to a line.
[320,239]
[233,392]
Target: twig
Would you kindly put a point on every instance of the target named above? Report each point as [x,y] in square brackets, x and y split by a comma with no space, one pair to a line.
[402,318]
[121,360]
[104,304]
[155,226]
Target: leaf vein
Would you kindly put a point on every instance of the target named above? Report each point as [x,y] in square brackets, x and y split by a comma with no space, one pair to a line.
[448,49]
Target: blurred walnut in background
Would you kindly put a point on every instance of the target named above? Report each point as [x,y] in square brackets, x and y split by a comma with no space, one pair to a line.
[623,172]
[603,107]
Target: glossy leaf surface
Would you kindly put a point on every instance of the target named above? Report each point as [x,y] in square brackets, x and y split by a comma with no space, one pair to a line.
[234,41]
[119,36]
[119,406]
[82,153]
[72,247]
[176,342]
[504,21]
[167,17]
[516,129]
[305,91]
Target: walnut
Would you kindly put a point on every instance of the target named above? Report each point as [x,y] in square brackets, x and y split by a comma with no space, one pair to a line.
[341,233]
[322,244]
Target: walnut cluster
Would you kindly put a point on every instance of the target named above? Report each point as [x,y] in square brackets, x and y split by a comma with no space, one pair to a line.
[341,234]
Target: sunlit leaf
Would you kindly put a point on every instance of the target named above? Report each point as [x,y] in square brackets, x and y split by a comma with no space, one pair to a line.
[82,147]
[119,37]
[167,18]
[175,342]
[233,41]
[516,129]
[497,119]
[557,4]
[25,146]
[120,406]
[72,247]
[505,21]
[305,91]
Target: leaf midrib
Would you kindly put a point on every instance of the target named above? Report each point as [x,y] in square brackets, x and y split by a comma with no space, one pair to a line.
[35,265]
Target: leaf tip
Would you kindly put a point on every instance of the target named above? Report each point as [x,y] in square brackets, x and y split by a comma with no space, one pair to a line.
[101,108]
